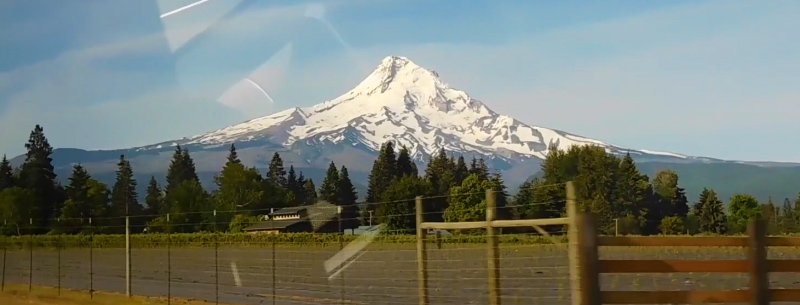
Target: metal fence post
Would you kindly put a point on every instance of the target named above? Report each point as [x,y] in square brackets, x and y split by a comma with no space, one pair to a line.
[493,257]
[422,255]
[128,256]
[58,250]
[216,260]
[169,261]
[5,254]
[341,246]
[30,261]
[91,259]
[274,265]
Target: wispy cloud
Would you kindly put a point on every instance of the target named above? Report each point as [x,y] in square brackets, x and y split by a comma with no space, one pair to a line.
[699,77]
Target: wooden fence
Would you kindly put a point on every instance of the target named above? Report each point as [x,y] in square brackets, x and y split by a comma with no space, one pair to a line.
[493,259]
[756,265]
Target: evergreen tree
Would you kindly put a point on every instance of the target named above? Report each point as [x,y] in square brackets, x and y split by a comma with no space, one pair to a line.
[276,173]
[233,156]
[154,199]
[397,212]
[384,170]
[468,200]
[181,169]
[770,212]
[37,174]
[478,167]
[328,191]
[742,208]
[632,194]
[6,174]
[310,192]
[124,200]
[17,206]
[88,198]
[183,203]
[237,187]
[405,166]
[346,198]
[78,188]
[503,212]
[440,173]
[302,196]
[461,171]
[712,214]
[292,182]
[789,218]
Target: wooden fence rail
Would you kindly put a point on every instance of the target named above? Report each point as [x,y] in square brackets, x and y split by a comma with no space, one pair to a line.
[756,265]
[491,223]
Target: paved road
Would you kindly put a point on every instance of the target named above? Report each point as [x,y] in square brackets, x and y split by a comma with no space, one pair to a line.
[530,275]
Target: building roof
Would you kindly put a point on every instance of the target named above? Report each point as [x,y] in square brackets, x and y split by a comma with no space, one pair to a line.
[289,210]
[318,214]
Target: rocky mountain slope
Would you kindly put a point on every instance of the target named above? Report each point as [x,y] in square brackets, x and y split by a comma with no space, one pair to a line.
[398,101]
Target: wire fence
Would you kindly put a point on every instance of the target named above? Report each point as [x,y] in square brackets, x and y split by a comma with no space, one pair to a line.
[283,266]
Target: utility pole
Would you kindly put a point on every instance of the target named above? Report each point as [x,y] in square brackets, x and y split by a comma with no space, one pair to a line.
[616,226]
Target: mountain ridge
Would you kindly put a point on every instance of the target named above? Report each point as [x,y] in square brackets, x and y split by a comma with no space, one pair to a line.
[402,102]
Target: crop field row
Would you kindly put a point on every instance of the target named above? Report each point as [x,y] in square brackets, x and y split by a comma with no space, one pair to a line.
[384,274]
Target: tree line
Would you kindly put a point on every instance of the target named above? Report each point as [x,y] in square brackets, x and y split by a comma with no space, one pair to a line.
[623,199]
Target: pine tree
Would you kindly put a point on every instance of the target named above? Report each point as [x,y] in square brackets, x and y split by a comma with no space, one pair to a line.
[384,170]
[293,187]
[181,169]
[328,190]
[6,174]
[86,198]
[405,166]
[461,170]
[233,156]
[154,199]
[440,173]
[38,175]
[124,200]
[237,187]
[479,168]
[78,188]
[346,198]
[276,173]
[310,192]
[189,167]
[712,214]
[300,190]
[396,213]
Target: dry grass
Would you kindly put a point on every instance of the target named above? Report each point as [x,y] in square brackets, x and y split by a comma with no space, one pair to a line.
[40,295]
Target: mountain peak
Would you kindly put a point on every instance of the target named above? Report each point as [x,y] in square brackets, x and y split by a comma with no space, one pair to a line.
[403,102]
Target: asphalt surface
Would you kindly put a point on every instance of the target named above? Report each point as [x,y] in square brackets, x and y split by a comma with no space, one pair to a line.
[383,275]
[457,275]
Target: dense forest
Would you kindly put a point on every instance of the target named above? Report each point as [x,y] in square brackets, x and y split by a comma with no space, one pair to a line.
[623,199]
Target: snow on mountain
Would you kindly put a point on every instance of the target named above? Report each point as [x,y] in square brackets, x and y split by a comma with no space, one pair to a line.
[412,106]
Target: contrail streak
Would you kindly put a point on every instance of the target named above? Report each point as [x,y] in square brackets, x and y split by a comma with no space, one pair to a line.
[178,10]
[259,89]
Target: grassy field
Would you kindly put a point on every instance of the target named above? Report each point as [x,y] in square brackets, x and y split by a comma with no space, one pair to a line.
[41,295]
[385,274]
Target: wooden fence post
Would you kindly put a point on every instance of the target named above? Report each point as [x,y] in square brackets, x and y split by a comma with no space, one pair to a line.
[757,257]
[588,261]
[572,239]
[422,255]
[493,257]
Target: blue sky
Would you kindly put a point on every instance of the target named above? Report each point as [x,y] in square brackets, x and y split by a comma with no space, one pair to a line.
[709,78]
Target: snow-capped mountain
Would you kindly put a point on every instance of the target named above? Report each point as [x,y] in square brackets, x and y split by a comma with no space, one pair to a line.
[412,106]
